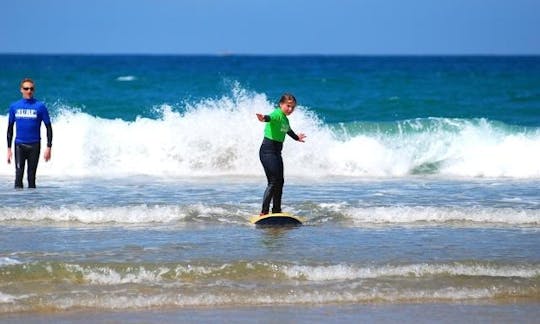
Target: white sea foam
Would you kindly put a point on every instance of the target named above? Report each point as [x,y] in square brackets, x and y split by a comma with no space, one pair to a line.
[109,276]
[347,272]
[222,137]
[8,261]
[6,298]
[126,78]
[140,214]
[101,215]
[134,287]
[408,215]
[294,296]
[105,275]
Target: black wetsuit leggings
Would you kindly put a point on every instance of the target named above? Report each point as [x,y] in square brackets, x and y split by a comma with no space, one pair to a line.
[23,153]
[270,155]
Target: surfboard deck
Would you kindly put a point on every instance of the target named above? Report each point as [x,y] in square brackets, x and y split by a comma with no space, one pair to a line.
[277,219]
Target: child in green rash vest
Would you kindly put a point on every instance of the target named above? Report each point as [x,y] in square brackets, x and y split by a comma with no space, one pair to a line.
[277,126]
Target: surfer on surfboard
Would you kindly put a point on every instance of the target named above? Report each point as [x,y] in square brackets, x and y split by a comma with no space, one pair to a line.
[277,126]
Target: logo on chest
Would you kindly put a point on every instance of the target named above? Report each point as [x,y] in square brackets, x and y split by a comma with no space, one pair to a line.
[26,113]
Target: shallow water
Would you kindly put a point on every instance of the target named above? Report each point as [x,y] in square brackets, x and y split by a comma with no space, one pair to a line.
[146,243]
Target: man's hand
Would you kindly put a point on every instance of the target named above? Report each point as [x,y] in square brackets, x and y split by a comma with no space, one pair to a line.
[47,154]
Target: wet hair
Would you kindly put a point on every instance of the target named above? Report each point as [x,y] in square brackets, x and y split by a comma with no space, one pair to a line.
[27,80]
[286,97]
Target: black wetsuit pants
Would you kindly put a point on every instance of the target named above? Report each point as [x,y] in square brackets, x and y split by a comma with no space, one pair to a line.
[24,153]
[270,155]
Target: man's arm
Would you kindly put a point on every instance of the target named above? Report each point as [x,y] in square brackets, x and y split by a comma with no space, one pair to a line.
[47,153]
[49,135]
[9,141]
[10,134]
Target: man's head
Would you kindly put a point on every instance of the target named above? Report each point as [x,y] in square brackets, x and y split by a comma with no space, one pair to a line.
[27,88]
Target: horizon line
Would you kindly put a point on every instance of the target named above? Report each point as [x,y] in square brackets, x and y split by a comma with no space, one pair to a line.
[226,54]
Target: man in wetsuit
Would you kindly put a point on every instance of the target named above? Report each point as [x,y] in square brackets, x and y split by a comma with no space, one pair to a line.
[270,152]
[28,113]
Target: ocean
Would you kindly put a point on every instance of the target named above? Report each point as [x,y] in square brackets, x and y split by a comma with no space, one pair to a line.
[419,183]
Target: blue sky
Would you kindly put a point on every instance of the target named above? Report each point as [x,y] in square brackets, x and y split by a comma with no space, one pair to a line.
[364,27]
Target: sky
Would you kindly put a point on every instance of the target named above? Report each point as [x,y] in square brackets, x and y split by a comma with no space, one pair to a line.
[271,27]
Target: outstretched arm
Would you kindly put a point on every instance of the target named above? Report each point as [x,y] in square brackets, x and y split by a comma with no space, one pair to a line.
[301,137]
[263,118]
[297,137]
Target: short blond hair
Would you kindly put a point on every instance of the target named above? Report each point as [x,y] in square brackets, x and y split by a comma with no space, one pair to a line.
[27,80]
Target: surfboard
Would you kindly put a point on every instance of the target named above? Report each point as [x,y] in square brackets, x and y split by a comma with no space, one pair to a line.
[277,219]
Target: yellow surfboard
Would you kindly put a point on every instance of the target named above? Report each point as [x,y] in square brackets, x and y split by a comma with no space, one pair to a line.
[277,219]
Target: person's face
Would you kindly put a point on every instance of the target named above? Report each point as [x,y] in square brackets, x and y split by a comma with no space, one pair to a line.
[27,90]
[287,107]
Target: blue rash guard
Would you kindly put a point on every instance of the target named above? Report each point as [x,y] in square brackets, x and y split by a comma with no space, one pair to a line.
[28,114]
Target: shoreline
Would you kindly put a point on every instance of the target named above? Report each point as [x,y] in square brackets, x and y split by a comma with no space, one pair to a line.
[523,312]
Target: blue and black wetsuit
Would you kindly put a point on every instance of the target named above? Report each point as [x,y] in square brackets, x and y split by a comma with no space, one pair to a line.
[28,115]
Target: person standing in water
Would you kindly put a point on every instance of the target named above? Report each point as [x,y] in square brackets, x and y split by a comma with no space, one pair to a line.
[28,113]
[277,126]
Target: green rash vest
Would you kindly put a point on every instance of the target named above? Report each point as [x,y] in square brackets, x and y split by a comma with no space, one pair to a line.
[278,126]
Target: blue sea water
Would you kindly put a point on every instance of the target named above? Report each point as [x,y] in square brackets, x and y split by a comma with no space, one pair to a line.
[418,181]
